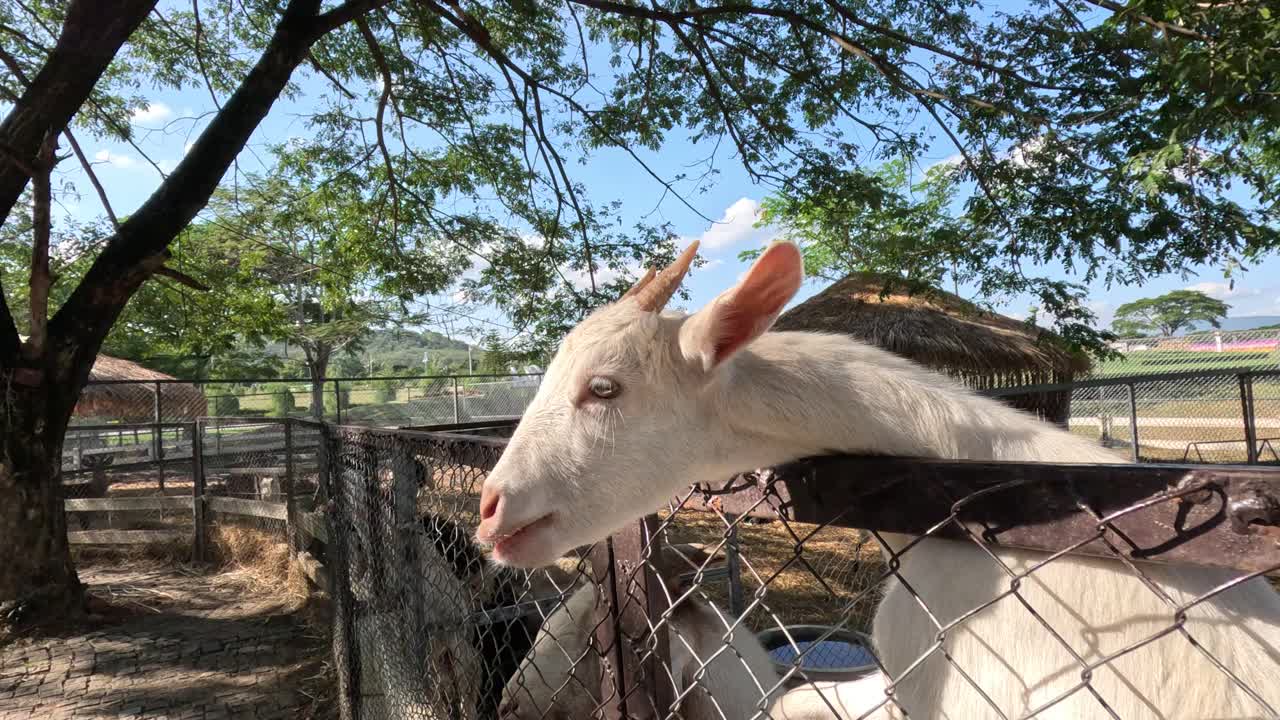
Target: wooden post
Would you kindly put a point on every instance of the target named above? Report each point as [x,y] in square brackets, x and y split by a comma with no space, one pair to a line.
[734,563]
[1133,422]
[290,522]
[457,403]
[1246,410]
[197,490]
[337,402]
[631,594]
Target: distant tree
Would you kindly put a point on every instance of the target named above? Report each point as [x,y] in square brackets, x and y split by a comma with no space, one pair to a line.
[1168,313]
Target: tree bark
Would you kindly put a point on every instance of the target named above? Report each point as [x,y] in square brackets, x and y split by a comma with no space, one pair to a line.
[318,367]
[37,577]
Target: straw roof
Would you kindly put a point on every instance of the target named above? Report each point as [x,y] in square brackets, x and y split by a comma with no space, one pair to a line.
[946,333]
[134,401]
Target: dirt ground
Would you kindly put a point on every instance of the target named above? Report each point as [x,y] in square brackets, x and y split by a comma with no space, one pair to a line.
[172,642]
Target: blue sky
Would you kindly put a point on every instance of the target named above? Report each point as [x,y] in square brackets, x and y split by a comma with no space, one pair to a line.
[174,119]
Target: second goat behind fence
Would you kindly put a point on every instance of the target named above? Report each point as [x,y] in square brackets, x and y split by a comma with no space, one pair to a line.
[637,404]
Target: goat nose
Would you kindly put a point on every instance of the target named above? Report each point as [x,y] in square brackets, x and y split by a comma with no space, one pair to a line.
[489,499]
[507,710]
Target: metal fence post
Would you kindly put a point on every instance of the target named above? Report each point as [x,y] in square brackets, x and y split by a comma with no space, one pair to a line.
[1133,422]
[1246,411]
[290,522]
[457,402]
[197,489]
[346,647]
[157,442]
[337,402]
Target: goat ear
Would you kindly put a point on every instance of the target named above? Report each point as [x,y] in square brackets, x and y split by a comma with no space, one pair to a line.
[745,311]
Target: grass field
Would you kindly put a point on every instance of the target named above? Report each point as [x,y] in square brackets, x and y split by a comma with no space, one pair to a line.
[1153,362]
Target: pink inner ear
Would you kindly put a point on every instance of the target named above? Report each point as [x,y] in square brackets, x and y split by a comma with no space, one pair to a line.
[734,329]
[749,309]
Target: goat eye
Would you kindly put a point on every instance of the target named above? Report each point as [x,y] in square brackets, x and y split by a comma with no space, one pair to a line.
[604,388]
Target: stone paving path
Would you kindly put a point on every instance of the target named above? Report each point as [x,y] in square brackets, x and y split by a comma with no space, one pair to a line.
[190,646]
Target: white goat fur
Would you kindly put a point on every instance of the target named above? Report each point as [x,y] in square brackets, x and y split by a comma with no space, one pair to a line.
[693,411]
[561,675]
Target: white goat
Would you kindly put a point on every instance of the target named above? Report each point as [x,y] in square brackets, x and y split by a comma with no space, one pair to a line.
[861,699]
[560,677]
[638,404]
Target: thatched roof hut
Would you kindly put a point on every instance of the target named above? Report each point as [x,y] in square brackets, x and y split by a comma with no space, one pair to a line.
[108,399]
[948,334]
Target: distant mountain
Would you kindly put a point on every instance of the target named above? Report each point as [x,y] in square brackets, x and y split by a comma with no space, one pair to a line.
[396,340]
[1240,323]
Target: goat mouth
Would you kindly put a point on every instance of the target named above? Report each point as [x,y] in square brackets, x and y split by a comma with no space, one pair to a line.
[510,542]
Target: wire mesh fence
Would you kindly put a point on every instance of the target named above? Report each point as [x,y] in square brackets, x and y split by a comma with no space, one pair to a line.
[1218,416]
[832,588]
[379,401]
[1257,349]
[847,589]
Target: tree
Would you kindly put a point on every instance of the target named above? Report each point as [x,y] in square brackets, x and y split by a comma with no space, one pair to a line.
[316,275]
[1113,154]
[1168,313]
[459,117]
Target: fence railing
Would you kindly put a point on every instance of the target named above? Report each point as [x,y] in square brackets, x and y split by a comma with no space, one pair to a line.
[633,628]
[1230,415]
[380,401]
[752,598]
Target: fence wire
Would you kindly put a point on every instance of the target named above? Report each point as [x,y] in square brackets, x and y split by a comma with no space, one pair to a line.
[429,629]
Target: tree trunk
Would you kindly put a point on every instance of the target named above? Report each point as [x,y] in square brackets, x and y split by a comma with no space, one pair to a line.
[318,367]
[38,581]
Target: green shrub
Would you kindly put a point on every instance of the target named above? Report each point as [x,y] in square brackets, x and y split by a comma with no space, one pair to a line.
[224,405]
[331,401]
[282,403]
[384,391]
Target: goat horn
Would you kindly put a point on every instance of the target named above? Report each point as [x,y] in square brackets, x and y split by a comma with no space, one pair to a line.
[648,275]
[655,294]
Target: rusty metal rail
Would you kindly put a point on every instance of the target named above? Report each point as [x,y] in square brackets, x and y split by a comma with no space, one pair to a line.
[1219,516]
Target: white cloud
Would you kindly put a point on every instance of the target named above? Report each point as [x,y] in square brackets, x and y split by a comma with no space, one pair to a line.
[1018,154]
[152,113]
[1223,291]
[954,159]
[737,227]
[716,262]
[114,159]
[1105,312]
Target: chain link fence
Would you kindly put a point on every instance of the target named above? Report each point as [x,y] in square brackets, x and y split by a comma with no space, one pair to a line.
[378,402]
[757,599]
[1212,350]
[1213,416]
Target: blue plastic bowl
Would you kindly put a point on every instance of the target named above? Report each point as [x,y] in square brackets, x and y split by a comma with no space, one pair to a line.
[822,653]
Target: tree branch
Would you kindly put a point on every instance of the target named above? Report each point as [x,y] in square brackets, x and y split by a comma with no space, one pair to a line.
[183,278]
[92,35]
[93,177]
[384,70]
[346,12]
[40,281]
[137,249]
[1160,25]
